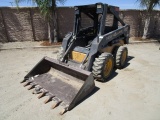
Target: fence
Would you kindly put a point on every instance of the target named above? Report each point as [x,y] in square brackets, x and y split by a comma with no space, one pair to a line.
[27,24]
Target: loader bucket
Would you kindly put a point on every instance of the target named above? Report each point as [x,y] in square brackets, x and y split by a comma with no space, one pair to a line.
[63,84]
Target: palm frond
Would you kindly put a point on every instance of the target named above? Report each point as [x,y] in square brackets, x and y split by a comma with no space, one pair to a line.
[149,4]
[46,6]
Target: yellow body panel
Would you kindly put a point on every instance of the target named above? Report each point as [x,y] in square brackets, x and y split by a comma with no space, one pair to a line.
[77,56]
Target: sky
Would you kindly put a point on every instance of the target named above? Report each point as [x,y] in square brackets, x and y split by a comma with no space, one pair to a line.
[123,4]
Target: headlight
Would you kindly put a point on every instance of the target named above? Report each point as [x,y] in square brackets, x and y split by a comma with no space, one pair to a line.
[99,6]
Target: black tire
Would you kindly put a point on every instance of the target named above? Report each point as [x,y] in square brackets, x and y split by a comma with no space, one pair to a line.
[60,54]
[103,67]
[121,55]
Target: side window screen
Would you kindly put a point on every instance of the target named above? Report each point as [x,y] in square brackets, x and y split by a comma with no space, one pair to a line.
[109,20]
[86,21]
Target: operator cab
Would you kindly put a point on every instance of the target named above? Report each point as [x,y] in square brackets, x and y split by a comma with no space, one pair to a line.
[89,22]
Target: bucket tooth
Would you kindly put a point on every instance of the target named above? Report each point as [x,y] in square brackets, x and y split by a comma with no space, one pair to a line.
[42,94]
[63,111]
[48,100]
[55,104]
[26,83]
[23,81]
[31,86]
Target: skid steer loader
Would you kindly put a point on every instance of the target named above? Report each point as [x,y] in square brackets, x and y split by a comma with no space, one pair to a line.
[90,52]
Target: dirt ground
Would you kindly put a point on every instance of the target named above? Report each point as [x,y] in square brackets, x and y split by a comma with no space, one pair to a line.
[133,93]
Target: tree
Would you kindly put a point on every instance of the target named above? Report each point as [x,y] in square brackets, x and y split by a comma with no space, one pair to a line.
[48,10]
[149,5]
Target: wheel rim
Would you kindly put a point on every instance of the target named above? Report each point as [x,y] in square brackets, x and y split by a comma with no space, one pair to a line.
[108,67]
[124,56]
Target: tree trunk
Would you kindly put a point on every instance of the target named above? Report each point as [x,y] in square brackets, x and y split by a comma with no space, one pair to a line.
[54,15]
[146,32]
[55,26]
[49,32]
[52,33]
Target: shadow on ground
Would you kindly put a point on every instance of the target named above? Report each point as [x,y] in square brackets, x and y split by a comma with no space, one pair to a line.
[1,45]
[128,59]
[89,95]
[114,73]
